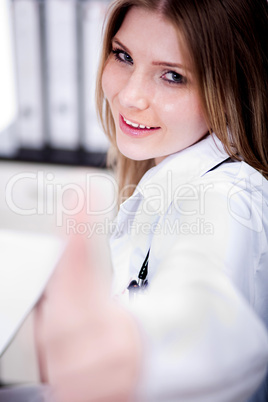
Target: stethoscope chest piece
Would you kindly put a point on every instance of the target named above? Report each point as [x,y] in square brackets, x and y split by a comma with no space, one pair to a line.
[135,288]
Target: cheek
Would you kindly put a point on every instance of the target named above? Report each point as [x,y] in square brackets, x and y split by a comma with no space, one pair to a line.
[110,80]
[198,116]
[106,82]
[169,107]
[172,112]
[184,111]
[175,104]
[113,78]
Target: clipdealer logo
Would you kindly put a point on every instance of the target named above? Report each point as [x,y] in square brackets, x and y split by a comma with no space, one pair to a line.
[62,200]
[248,213]
[243,200]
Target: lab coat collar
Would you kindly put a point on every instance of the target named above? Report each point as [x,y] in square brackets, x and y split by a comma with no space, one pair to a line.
[159,184]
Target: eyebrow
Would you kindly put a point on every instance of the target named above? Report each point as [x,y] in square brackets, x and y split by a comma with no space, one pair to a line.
[155,63]
[168,64]
[121,45]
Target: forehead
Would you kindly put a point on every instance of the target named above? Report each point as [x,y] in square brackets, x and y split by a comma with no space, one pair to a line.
[151,33]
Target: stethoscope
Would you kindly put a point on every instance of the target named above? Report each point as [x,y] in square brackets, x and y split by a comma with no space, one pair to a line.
[135,287]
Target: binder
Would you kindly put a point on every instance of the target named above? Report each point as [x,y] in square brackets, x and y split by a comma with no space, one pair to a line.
[27,45]
[8,141]
[57,45]
[60,30]
[8,103]
[92,20]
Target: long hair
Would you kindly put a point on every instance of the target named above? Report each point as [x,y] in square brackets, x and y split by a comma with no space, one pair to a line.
[227,44]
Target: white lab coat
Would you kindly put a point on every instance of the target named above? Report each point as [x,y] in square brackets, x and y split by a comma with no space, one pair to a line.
[202,319]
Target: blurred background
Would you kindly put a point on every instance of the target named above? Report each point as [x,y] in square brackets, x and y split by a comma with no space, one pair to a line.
[51,144]
[56,49]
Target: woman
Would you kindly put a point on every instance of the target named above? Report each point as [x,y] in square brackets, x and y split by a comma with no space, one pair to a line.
[182,89]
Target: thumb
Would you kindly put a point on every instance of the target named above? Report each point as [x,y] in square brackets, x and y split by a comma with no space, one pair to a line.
[83,273]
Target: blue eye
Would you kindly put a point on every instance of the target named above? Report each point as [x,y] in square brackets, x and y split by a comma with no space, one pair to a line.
[122,56]
[174,78]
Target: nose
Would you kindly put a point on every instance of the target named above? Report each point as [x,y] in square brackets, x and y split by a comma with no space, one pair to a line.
[135,92]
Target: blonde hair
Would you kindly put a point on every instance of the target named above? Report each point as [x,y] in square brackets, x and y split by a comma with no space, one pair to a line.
[227,43]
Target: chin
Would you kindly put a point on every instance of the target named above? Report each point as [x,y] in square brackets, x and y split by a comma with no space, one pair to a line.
[130,152]
[135,157]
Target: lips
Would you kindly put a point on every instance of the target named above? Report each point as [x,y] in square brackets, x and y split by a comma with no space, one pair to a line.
[135,129]
[136,125]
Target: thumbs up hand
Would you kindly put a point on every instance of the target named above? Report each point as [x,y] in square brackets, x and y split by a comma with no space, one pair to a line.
[89,346]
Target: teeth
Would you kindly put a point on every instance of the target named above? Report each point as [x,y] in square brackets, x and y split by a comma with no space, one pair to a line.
[131,124]
[135,125]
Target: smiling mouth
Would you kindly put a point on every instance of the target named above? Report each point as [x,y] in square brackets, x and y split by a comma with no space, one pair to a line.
[138,126]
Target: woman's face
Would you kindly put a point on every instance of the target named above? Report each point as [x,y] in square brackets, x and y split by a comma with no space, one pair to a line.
[156,108]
